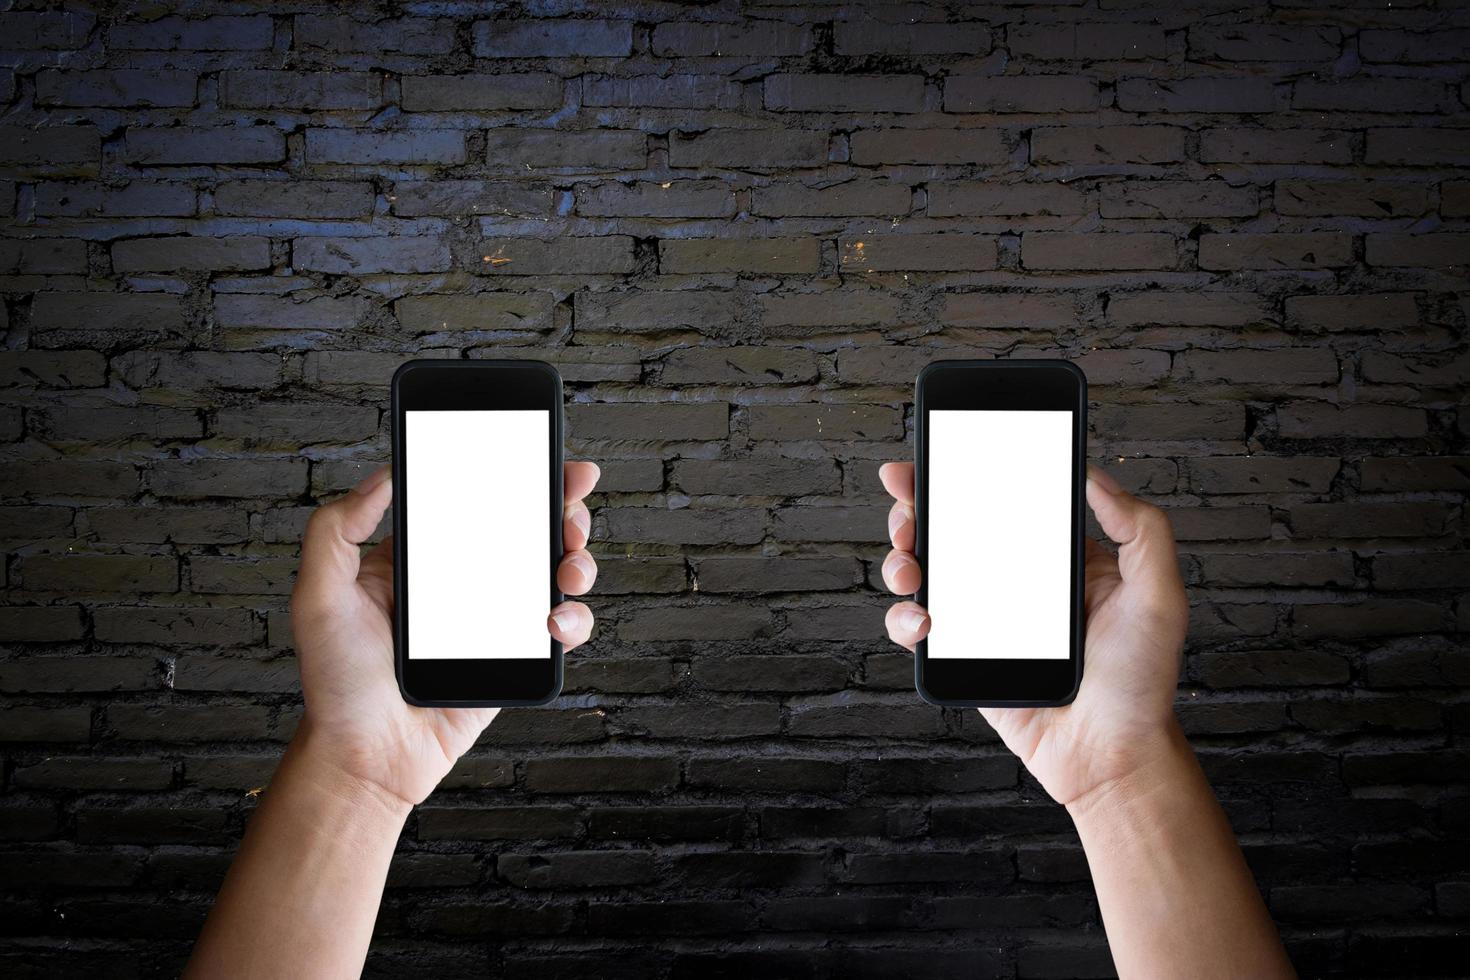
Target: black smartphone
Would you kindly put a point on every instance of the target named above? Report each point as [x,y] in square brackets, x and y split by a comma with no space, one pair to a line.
[477,508]
[999,472]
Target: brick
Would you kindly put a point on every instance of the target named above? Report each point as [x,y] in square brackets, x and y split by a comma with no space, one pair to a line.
[1089,42]
[781,574]
[1020,93]
[770,673]
[118,314]
[100,573]
[1074,145]
[838,523]
[785,477]
[257,311]
[478,311]
[739,365]
[1283,366]
[1360,421]
[69,478]
[661,422]
[1368,198]
[1206,95]
[471,93]
[605,149]
[763,38]
[1432,250]
[1312,250]
[1233,145]
[186,253]
[576,869]
[1264,43]
[1200,309]
[1380,94]
[844,93]
[831,308]
[1262,474]
[657,91]
[459,198]
[301,90]
[408,147]
[43,257]
[1412,46]
[409,35]
[1418,147]
[1370,520]
[228,478]
[159,525]
[968,147]
[92,773]
[930,253]
[137,198]
[78,674]
[177,146]
[870,37]
[248,33]
[610,255]
[1019,310]
[682,256]
[984,198]
[552,38]
[294,199]
[619,774]
[704,722]
[705,311]
[1179,199]
[50,146]
[1380,311]
[195,370]
[818,421]
[1415,473]
[366,256]
[45,724]
[41,624]
[670,199]
[1380,366]
[85,424]
[1050,250]
[120,87]
[55,30]
[853,197]
[1169,421]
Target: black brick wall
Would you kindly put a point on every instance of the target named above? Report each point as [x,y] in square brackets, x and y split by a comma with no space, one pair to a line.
[738,231]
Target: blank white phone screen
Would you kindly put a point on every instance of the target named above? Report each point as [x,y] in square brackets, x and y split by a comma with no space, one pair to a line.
[478,519]
[1000,535]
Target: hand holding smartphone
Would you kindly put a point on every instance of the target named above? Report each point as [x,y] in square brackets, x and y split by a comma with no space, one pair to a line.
[478,518]
[999,469]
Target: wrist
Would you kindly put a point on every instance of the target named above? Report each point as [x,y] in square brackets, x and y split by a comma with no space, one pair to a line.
[313,758]
[1154,766]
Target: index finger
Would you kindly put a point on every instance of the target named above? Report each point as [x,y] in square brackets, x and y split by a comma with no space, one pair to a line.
[898,480]
[578,479]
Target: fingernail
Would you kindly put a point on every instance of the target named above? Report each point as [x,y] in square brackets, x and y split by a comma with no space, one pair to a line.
[897,519]
[565,621]
[912,621]
[585,566]
[899,559]
[1103,479]
[583,520]
[374,479]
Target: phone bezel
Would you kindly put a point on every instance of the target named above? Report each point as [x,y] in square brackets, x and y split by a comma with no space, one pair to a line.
[1016,385]
[481,385]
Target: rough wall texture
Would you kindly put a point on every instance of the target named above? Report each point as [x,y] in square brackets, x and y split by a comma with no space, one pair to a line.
[738,231]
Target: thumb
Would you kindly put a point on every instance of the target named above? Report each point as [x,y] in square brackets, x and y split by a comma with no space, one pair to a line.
[1146,555]
[329,551]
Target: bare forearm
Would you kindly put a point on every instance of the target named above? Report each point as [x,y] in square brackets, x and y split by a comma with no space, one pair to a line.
[1176,896]
[303,892]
